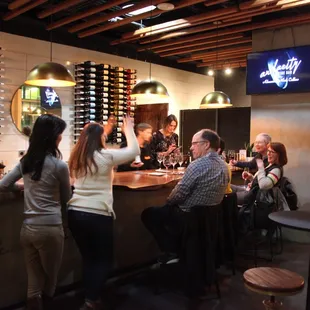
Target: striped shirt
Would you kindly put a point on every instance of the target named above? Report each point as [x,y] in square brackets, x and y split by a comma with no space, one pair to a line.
[268,178]
[204,183]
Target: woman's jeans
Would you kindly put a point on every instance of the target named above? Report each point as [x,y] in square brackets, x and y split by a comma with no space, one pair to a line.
[43,249]
[93,235]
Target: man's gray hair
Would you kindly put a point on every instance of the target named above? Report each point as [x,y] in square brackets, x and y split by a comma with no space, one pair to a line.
[265,136]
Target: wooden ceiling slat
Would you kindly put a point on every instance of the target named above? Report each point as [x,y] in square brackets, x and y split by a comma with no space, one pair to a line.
[205,48]
[128,20]
[58,7]
[233,30]
[223,60]
[202,28]
[176,22]
[234,63]
[101,19]
[17,3]
[227,56]
[87,13]
[255,12]
[182,23]
[23,9]
[214,2]
[255,3]
[198,43]
[219,52]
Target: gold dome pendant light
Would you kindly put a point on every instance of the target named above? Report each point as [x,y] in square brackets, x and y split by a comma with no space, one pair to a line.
[50,73]
[150,88]
[215,99]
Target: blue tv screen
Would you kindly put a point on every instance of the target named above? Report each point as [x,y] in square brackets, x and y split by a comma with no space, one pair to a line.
[49,98]
[279,71]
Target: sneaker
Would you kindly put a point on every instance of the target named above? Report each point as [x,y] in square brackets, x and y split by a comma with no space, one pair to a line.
[168,258]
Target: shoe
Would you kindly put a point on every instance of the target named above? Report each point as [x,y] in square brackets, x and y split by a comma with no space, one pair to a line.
[168,258]
[34,303]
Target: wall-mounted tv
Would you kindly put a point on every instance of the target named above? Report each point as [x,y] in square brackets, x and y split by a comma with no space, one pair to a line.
[279,71]
[49,98]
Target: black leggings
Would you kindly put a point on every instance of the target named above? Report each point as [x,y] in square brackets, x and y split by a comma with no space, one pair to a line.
[93,235]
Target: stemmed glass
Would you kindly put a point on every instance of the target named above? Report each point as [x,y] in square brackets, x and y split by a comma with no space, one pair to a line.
[160,158]
[180,159]
[167,162]
[173,161]
[246,181]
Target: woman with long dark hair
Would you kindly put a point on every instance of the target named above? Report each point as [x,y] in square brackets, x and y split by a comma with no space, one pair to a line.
[47,189]
[165,140]
[91,212]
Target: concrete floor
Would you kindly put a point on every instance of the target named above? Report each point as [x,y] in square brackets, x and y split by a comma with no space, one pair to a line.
[139,293]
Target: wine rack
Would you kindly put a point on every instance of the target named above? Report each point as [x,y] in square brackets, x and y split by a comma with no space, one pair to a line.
[2,72]
[102,91]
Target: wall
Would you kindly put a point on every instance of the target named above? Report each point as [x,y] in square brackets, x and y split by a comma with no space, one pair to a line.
[234,86]
[22,54]
[286,117]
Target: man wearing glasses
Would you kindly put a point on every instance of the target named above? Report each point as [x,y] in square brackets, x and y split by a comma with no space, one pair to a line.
[204,183]
[261,142]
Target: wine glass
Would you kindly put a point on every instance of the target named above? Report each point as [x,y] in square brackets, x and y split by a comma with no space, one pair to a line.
[167,162]
[180,159]
[160,158]
[246,180]
[173,161]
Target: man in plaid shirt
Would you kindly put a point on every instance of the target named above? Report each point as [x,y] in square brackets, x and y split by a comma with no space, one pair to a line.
[204,183]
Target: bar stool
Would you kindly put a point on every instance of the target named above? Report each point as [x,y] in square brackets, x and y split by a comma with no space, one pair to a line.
[273,282]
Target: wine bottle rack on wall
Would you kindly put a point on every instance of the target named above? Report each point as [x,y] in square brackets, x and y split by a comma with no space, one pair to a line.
[102,91]
[2,72]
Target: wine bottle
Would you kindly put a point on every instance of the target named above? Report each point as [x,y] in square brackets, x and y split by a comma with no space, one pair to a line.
[85,99]
[86,93]
[86,82]
[132,71]
[101,67]
[119,68]
[86,75]
[85,87]
[89,63]
[90,104]
[85,69]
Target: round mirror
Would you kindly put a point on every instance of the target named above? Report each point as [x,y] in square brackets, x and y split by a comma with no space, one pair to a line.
[29,102]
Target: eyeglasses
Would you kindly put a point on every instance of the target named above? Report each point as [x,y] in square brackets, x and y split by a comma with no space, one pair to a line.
[271,151]
[259,142]
[196,142]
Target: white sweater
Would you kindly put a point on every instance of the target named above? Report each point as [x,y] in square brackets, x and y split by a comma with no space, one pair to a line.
[93,193]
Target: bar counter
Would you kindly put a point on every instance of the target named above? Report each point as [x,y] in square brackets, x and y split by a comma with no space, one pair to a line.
[133,245]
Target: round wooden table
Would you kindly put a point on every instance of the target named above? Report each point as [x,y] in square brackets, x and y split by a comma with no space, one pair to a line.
[299,220]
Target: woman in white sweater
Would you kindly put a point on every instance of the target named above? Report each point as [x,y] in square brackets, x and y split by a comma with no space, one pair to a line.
[91,212]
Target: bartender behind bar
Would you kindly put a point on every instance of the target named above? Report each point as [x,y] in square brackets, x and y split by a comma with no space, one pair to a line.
[145,160]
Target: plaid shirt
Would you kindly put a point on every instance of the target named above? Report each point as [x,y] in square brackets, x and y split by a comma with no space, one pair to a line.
[204,183]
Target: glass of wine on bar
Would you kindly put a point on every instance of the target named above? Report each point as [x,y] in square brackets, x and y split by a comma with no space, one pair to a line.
[160,158]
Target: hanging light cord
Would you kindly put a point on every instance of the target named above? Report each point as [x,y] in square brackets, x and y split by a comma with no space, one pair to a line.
[51,41]
[150,49]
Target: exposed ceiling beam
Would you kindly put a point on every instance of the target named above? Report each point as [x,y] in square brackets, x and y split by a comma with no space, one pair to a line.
[205,48]
[231,55]
[182,4]
[234,63]
[17,3]
[98,9]
[26,8]
[58,7]
[198,43]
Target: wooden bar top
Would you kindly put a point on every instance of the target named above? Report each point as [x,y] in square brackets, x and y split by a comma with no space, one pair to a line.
[142,179]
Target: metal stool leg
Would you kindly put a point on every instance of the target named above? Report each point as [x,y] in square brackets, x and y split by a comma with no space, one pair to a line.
[272,304]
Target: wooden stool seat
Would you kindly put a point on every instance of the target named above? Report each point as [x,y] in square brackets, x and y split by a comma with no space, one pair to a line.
[273,282]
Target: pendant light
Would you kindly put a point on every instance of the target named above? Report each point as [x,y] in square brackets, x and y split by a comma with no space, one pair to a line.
[215,99]
[150,88]
[50,74]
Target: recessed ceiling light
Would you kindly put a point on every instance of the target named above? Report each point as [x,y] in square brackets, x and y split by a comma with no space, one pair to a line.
[166,6]
[144,10]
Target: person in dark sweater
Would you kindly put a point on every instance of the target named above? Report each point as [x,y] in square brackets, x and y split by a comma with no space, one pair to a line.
[261,142]
[145,161]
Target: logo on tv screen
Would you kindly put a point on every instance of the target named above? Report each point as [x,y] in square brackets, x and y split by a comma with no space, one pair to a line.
[49,98]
